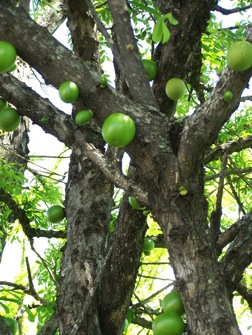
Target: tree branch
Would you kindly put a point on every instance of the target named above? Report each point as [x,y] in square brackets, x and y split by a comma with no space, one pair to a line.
[20,214]
[239,254]
[232,146]
[239,172]
[121,181]
[26,290]
[101,27]
[142,322]
[130,63]
[32,290]
[229,235]
[53,16]
[225,11]
[246,293]
[202,128]
[236,196]
[215,219]
[50,326]
[31,104]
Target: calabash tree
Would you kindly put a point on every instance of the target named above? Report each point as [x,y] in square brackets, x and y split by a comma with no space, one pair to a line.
[186,155]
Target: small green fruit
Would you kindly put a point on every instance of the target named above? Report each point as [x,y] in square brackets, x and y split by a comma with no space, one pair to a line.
[44,120]
[83,116]
[151,68]
[175,88]
[68,92]
[103,81]
[9,119]
[148,244]
[147,252]
[55,214]
[3,103]
[183,190]
[7,56]
[228,95]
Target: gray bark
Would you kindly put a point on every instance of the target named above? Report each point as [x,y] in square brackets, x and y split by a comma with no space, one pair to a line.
[165,154]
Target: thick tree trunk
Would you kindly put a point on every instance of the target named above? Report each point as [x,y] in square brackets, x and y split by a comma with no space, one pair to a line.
[193,256]
[88,206]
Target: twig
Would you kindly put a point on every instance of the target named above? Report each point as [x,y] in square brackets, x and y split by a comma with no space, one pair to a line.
[217,213]
[145,301]
[44,263]
[26,290]
[32,290]
[28,161]
[225,11]
[239,172]
[150,277]
[235,195]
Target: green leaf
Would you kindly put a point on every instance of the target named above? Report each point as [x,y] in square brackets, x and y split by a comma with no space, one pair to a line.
[170,18]
[17,301]
[31,317]
[166,33]
[158,31]
[6,308]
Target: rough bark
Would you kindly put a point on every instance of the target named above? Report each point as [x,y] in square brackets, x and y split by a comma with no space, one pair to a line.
[88,195]
[118,282]
[165,156]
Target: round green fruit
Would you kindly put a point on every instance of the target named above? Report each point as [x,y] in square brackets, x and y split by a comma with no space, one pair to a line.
[103,81]
[68,92]
[239,56]
[175,88]
[172,302]
[118,130]
[168,324]
[146,212]
[55,214]
[151,68]
[9,119]
[7,56]
[228,95]
[83,116]
[147,252]
[12,324]
[44,120]
[148,244]
[134,204]
[3,103]
[183,190]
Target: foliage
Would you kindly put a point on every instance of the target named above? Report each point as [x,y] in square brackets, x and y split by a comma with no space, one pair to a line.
[34,193]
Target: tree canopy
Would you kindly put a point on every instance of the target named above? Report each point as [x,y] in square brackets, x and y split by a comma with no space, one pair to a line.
[150,190]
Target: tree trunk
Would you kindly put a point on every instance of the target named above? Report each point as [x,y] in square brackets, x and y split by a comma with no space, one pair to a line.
[88,206]
[193,256]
